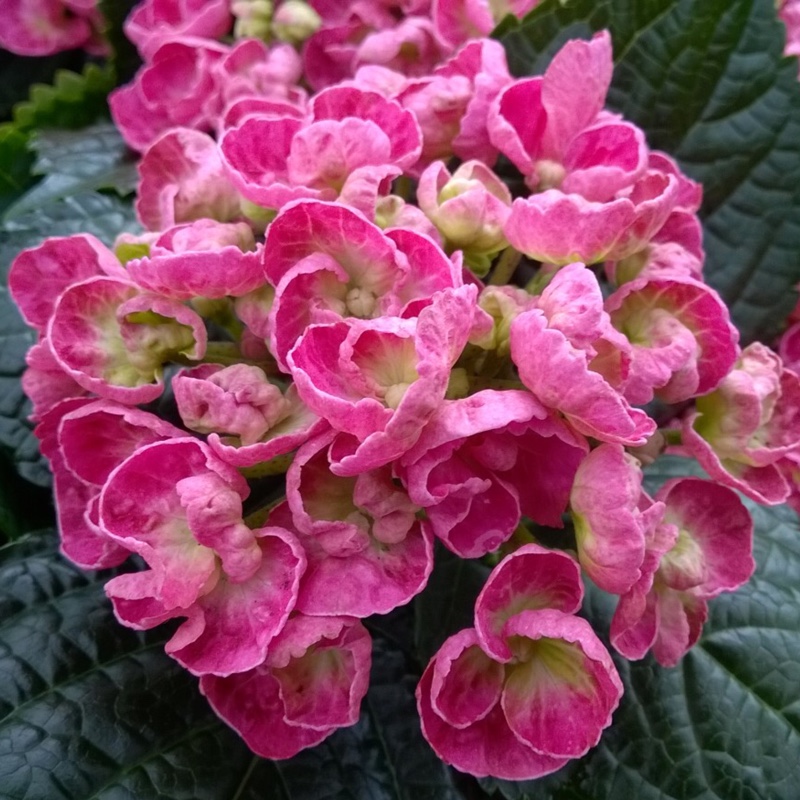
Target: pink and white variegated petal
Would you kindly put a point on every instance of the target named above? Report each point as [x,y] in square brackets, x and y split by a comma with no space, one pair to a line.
[531,578]
[229,628]
[603,161]
[634,626]
[81,542]
[45,382]
[559,377]
[636,305]
[341,102]
[571,105]
[717,522]
[561,696]
[87,342]
[374,580]
[212,274]
[440,335]
[681,616]
[134,596]
[141,509]
[359,247]
[764,484]
[467,683]
[608,526]
[559,228]
[43,27]
[487,747]
[98,437]
[457,21]
[39,275]
[517,122]
[182,179]
[322,666]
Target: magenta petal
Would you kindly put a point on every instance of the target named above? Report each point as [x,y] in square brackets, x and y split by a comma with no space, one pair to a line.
[230,627]
[467,683]
[562,695]
[486,747]
[532,578]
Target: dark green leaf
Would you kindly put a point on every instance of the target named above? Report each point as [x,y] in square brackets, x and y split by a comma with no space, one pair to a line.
[448,601]
[104,216]
[78,162]
[74,100]
[23,507]
[16,161]
[124,56]
[724,723]
[707,82]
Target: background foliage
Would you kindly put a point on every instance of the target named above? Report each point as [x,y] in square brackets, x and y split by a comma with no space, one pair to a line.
[89,709]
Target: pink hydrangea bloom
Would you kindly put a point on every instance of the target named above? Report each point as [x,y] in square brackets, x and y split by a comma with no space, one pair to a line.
[180,508]
[702,548]
[743,428]
[610,528]
[312,682]
[484,461]
[204,258]
[459,20]
[367,552]
[553,346]
[156,22]
[541,692]
[182,179]
[45,27]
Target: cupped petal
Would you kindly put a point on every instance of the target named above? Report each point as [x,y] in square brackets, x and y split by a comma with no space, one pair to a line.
[531,578]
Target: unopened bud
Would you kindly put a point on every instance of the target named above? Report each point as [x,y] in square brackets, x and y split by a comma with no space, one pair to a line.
[295,21]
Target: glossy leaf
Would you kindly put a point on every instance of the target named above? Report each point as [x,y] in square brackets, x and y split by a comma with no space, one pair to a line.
[707,82]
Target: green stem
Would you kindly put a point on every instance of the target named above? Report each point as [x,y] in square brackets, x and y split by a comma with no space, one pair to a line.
[672,436]
[505,267]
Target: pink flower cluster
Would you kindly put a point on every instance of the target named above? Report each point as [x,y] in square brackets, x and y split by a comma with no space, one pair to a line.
[302,314]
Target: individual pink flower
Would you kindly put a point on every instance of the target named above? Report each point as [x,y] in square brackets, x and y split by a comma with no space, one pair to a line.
[156,22]
[611,529]
[528,688]
[702,548]
[249,419]
[45,27]
[176,88]
[469,208]
[367,551]
[554,346]
[329,263]
[113,340]
[180,508]
[682,340]
[743,428]
[552,129]
[484,461]
[204,258]
[276,157]
[379,381]
[459,20]
[182,180]
[312,682]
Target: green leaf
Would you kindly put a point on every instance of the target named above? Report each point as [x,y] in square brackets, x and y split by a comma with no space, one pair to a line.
[724,723]
[89,709]
[23,507]
[707,82]
[78,162]
[447,603]
[16,161]
[124,58]
[74,100]
[104,216]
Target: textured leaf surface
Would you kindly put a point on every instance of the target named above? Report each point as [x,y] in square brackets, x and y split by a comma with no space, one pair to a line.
[448,601]
[16,161]
[707,82]
[725,722]
[77,162]
[104,216]
[89,709]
